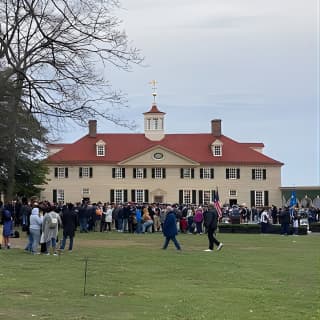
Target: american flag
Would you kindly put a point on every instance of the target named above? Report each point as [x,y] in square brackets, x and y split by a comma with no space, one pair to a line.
[217,204]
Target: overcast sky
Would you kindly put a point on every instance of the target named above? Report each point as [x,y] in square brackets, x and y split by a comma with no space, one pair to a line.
[254,64]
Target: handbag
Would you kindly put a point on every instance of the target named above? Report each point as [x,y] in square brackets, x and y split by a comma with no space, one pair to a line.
[42,238]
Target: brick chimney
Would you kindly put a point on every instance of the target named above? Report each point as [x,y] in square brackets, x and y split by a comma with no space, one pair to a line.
[216,127]
[92,128]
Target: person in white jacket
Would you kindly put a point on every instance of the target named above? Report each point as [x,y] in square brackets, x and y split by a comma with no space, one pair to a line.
[109,217]
[264,221]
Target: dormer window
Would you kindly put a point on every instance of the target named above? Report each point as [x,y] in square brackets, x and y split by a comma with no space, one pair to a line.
[217,151]
[100,148]
[216,148]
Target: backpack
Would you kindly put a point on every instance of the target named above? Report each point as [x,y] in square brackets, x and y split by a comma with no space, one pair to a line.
[53,221]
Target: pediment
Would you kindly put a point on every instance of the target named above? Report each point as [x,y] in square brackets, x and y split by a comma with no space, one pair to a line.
[158,192]
[158,156]
[100,142]
[217,142]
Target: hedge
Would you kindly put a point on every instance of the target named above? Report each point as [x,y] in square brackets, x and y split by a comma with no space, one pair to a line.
[256,228]
[314,227]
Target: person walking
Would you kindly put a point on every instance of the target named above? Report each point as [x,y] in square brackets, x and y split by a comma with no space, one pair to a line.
[170,229]
[210,219]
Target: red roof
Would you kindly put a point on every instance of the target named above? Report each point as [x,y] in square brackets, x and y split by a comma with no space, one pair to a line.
[57,145]
[154,109]
[196,147]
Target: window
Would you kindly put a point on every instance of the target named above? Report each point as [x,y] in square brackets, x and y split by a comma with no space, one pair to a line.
[216,148]
[60,195]
[139,173]
[139,196]
[206,173]
[156,123]
[207,196]
[85,192]
[217,151]
[158,173]
[186,196]
[61,172]
[259,174]
[259,198]
[85,172]
[187,173]
[100,148]
[118,173]
[232,173]
[233,193]
[119,196]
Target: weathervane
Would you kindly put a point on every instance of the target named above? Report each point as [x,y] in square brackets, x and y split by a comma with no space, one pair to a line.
[154,88]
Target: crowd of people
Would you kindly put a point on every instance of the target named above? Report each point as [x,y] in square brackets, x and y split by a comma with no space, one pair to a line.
[42,220]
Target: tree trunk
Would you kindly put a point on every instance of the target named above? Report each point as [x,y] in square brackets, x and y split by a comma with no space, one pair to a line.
[13,105]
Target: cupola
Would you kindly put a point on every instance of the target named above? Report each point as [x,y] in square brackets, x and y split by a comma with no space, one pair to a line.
[154,120]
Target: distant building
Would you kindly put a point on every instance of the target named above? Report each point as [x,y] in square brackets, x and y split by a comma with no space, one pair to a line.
[163,168]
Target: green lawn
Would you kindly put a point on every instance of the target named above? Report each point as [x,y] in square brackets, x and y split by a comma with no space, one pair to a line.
[130,277]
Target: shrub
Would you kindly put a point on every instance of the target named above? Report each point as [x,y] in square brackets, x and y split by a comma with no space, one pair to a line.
[256,228]
[314,227]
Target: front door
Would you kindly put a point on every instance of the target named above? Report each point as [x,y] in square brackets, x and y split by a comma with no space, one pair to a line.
[158,199]
[232,202]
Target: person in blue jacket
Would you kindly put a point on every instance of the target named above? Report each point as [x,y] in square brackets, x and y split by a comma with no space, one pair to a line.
[170,229]
[7,226]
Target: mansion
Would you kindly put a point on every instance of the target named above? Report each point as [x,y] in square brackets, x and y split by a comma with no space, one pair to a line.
[155,167]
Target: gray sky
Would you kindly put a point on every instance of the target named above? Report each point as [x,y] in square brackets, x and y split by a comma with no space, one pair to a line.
[252,63]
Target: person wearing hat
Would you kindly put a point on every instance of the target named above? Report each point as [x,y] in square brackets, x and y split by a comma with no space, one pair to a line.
[211,222]
[170,229]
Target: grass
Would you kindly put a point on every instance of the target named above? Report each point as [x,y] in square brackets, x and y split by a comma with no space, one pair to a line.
[130,277]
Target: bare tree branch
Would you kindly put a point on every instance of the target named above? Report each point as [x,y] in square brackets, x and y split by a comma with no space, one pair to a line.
[52,48]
